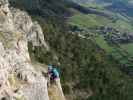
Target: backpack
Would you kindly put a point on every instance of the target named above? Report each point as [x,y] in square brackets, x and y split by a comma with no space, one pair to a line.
[55,72]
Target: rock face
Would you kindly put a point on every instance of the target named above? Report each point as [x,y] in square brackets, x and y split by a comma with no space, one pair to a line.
[18,78]
[55,91]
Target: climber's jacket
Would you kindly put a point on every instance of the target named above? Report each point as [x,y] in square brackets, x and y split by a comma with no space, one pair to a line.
[53,73]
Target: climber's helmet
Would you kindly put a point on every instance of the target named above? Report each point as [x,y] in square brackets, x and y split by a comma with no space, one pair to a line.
[50,67]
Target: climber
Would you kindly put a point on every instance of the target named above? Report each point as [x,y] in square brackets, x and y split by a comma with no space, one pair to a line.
[52,73]
[55,74]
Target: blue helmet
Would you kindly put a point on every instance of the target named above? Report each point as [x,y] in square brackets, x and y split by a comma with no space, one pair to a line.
[50,67]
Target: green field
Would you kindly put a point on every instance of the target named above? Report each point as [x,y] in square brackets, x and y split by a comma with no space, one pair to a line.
[128,47]
[118,53]
[103,44]
[122,25]
[93,5]
[92,21]
[88,21]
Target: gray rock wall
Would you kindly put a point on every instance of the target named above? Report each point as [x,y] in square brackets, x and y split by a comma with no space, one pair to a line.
[18,78]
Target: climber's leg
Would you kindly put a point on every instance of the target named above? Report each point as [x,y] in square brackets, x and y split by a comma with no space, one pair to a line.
[48,81]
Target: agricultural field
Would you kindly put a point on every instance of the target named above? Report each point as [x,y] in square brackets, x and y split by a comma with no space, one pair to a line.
[128,47]
[123,24]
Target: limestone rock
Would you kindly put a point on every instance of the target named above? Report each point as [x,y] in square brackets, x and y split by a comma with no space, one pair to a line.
[16,29]
[18,78]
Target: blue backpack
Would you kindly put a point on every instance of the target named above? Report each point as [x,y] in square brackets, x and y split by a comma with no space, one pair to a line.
[55,72]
